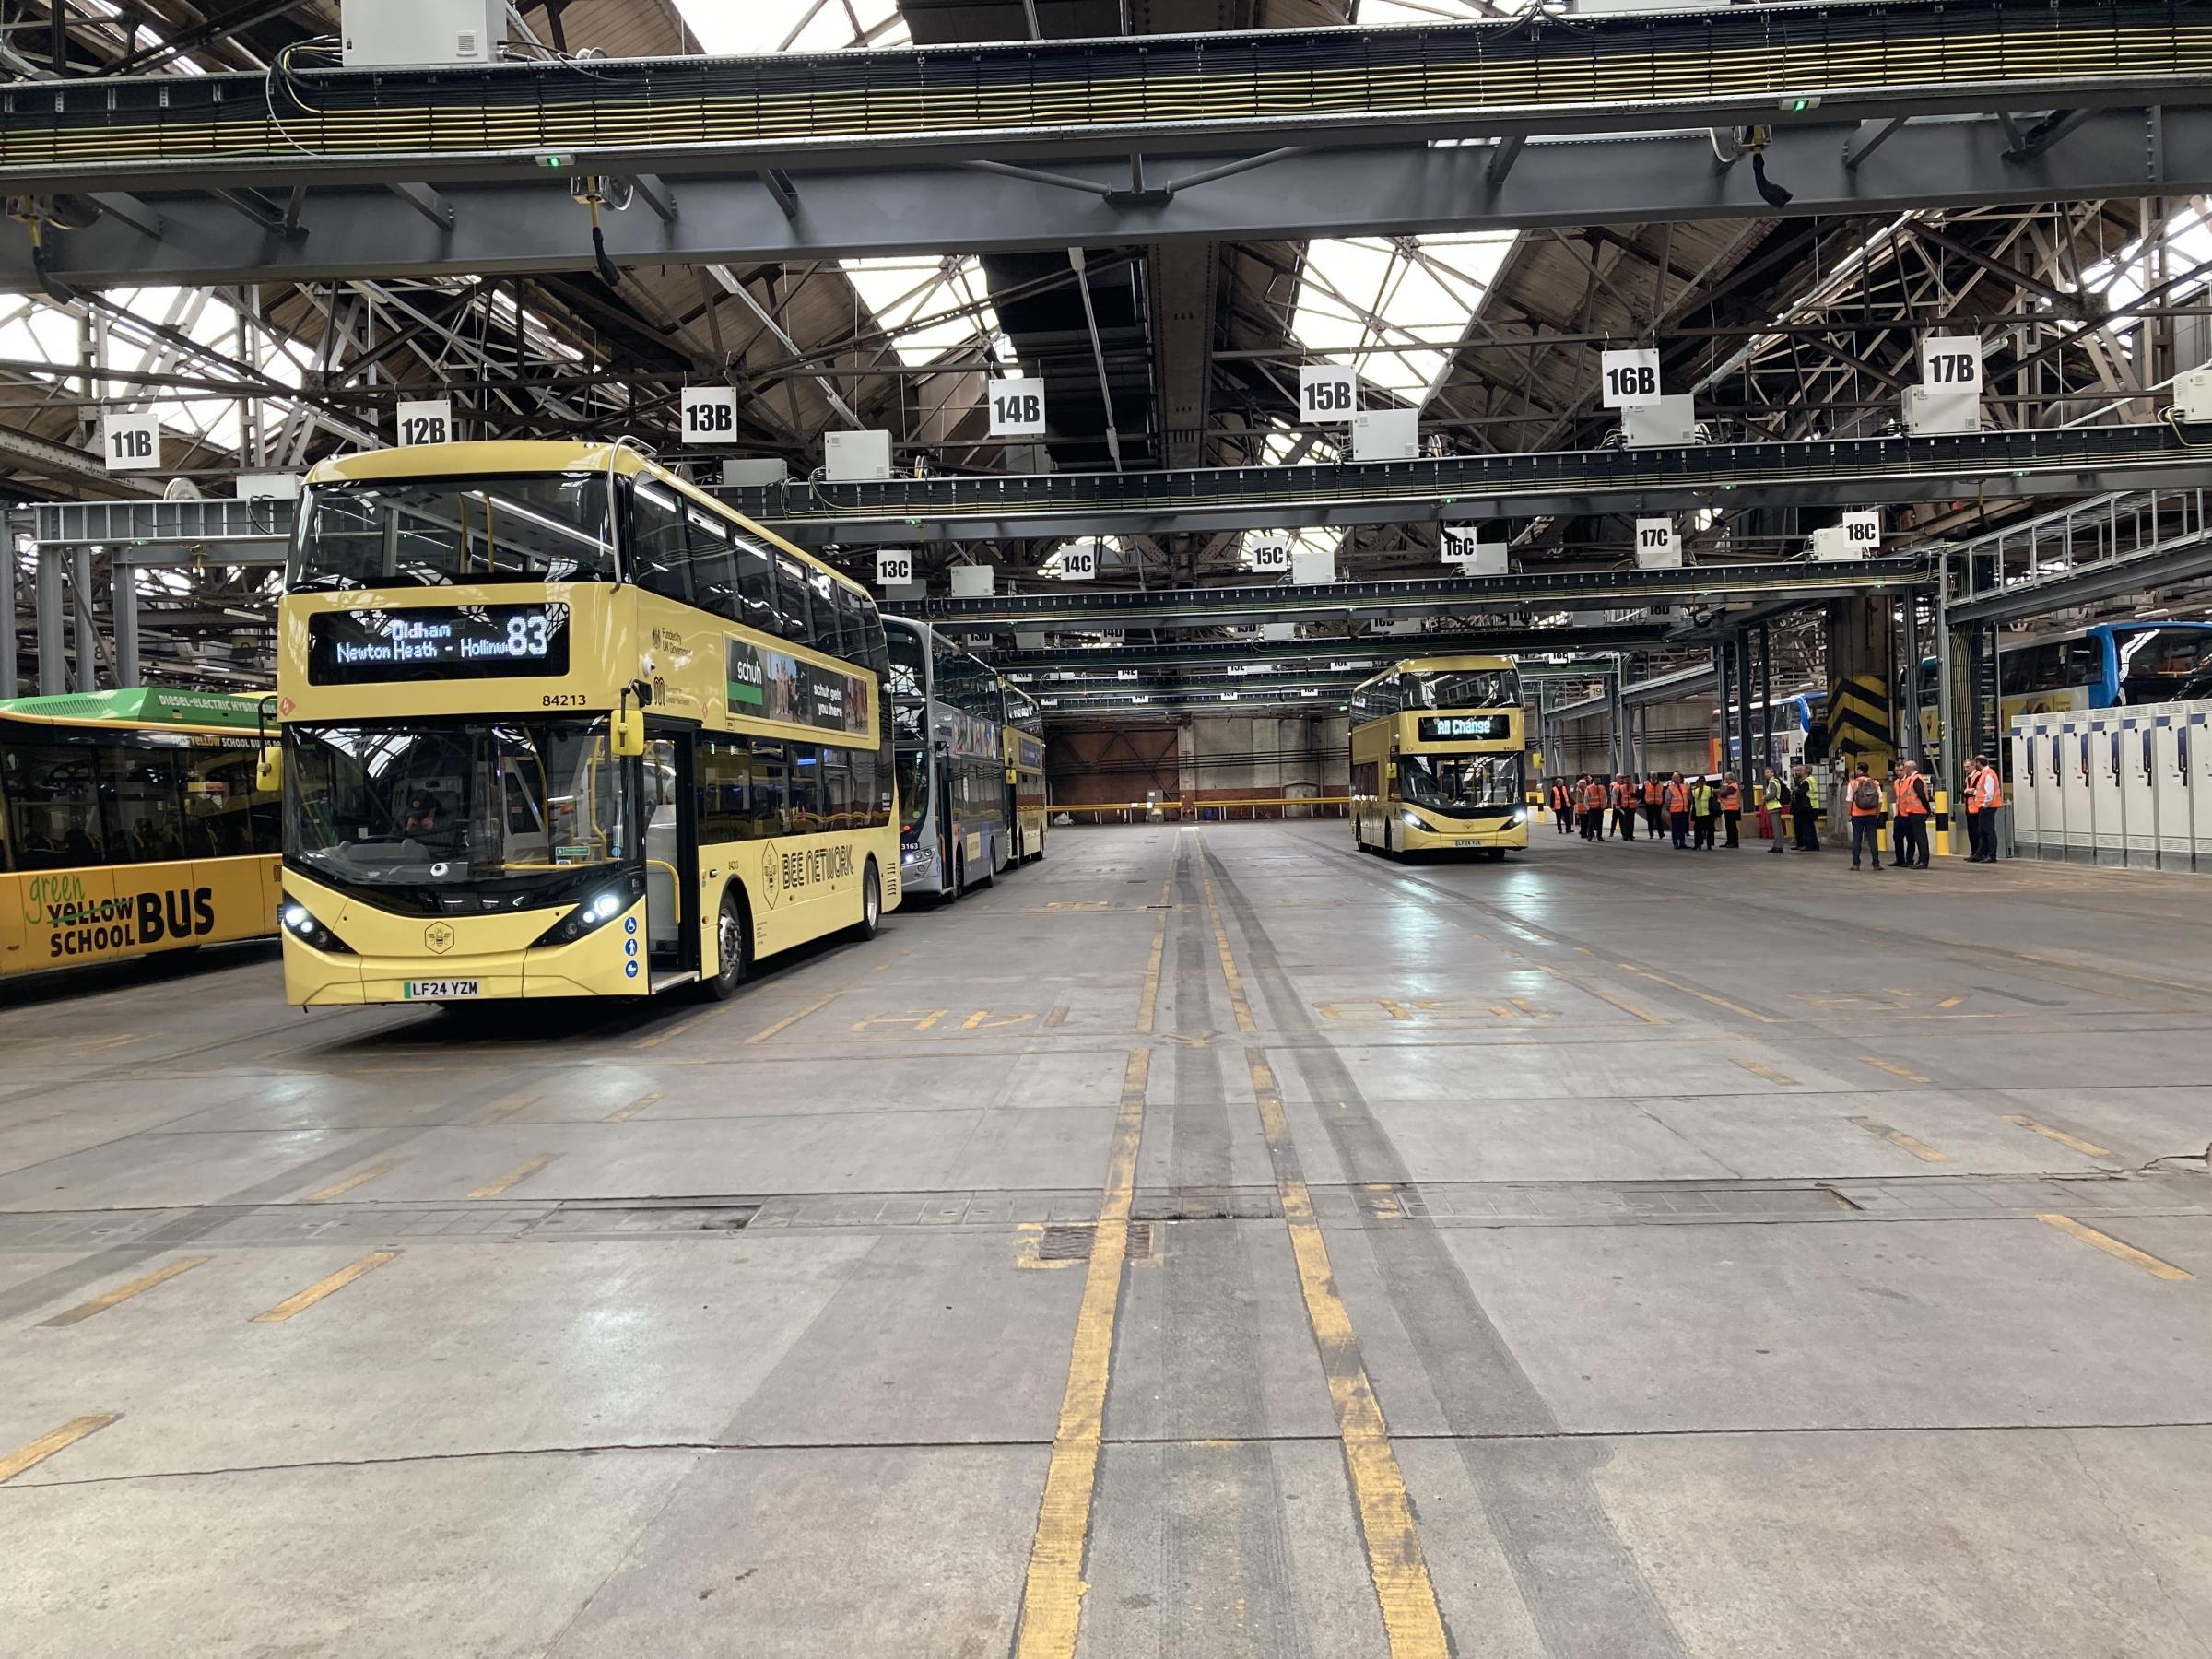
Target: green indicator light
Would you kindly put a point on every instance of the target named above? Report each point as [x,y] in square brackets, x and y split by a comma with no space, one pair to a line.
[555,160]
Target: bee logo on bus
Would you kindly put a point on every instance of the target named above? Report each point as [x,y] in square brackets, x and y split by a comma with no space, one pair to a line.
[438,938]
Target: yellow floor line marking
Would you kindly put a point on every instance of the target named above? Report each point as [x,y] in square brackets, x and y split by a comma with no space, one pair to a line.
[122,1293]
[625,1113]
[492,1189]
[1148,1001]
[1057,1016]
[507,1107]
[1759,1068]
[322,1288]
[1897,1138]
[2089,1235]
[1894,1070]
[340,1188]
[658,1038]
[788,1020]
[1718,1002]
[1229,963]
[46,1445]
[1052,1595]
[2087,1149]
[1395,1558]
[1622,1003]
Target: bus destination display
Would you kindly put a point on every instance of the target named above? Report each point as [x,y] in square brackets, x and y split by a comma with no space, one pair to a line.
[447,642]
[1439,728]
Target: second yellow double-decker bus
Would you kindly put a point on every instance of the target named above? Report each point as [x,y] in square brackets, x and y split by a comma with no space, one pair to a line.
[557,723]
[1437,755]
[1026,806]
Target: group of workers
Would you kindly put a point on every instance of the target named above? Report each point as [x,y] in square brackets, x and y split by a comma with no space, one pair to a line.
[1690,810]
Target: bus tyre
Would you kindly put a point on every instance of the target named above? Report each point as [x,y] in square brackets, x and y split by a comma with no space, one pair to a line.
[730,948]
[1386,836]
[1495,854]
[871,903]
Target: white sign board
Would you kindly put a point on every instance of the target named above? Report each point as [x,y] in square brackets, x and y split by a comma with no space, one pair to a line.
[425,420]
[1951,363]
[1658,547]
[1863,532]
[130,442]
[1386,435]
[1326,393]
[1016,409]
[1473,555]
[1079,562]
[1270,554]
[710,413]
[893,565]
[1628,380]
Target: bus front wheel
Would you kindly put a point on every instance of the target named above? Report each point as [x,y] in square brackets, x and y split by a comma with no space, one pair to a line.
[729,949]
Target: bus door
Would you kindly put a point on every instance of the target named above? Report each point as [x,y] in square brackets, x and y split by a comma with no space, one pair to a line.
[670,817]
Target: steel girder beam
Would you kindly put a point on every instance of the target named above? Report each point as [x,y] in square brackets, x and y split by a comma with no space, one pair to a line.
[1263,90]
[1495,642]
[531,226]
[2096,580]
[1440,595]
[1820,473]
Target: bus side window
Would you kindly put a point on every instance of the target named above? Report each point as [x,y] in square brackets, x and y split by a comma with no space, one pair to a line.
[791,594]
[771,782]
[658,553]
[836,785]
[757,606]
[878,657]
[713,566]
[852,624]
[829,631]
[803,803]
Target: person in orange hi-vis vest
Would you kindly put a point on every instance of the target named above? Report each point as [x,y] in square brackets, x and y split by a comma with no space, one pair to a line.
[1732,810]
[1676,801]
[1864,795]
[1916,801]
[1625,797]
[1984,795]
[1654,790]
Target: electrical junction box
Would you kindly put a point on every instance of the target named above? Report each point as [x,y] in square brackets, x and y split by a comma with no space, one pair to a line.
[856,457]
[974,581]
[2193,395]
[1832,543]
[1672,420]
[1933,414]
[421,33]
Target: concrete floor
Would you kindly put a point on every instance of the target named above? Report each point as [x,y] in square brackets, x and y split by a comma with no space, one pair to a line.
[1617,1253]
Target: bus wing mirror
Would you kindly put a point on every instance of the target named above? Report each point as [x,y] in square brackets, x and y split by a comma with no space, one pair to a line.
[268,770]
[626,731]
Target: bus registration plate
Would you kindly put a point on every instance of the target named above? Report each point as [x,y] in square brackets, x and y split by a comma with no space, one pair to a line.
[440,990]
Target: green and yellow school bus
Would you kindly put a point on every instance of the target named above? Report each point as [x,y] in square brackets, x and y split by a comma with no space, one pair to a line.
[130,823]
[557,723]
[1027,808]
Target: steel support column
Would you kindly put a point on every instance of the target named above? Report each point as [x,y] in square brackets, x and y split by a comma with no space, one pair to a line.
[124,603]
[53,661]
[10,646]
[87,625]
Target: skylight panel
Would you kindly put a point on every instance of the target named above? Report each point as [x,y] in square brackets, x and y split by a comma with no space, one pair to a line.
[1392,309]
[931,307]
[739,28]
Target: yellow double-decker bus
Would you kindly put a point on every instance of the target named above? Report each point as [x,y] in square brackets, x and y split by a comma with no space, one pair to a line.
[1026,808]
[131,823]
[1437,755]
[557,723]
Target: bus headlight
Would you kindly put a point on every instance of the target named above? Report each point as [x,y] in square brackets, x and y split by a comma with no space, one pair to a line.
[594,913]
[299,921]
[1410,821]
[1520,815]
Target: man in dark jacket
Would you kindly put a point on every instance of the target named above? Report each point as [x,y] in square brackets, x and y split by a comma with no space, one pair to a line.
[1801,810]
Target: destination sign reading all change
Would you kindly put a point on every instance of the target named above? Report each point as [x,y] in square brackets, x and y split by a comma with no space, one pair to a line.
[459,642]
[1434,728]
